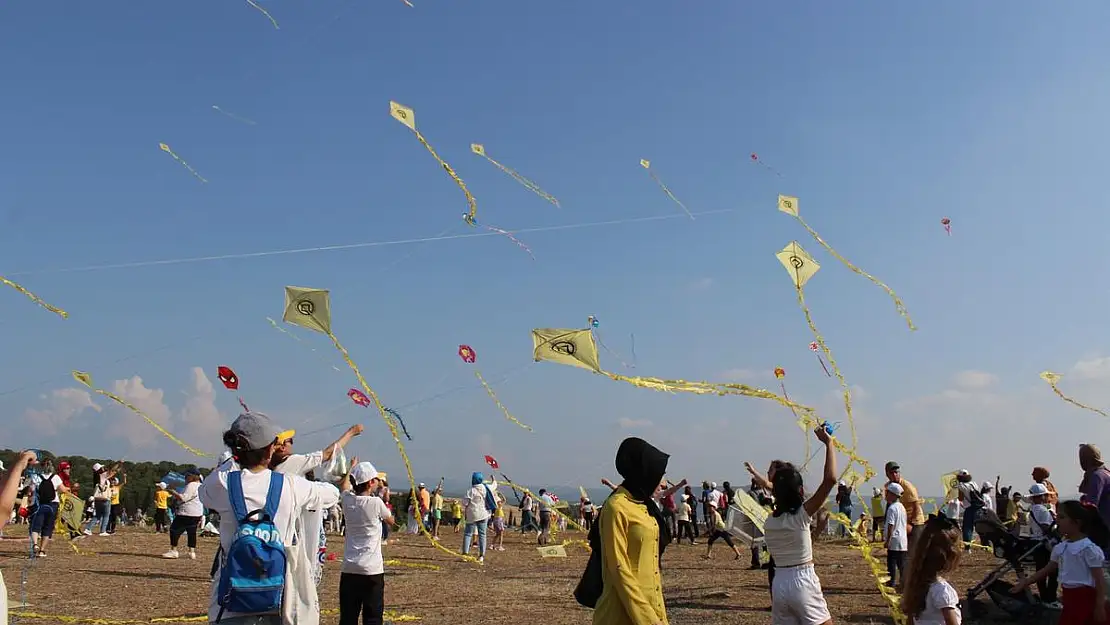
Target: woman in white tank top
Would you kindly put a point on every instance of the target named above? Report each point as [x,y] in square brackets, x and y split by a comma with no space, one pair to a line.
[796,597]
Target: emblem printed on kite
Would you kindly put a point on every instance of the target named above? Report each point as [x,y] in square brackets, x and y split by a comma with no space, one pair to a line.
[947,223]
[359,397]
[467,354]
[788,205]
[308,308]
[492,462]
[798,263]
[228,378]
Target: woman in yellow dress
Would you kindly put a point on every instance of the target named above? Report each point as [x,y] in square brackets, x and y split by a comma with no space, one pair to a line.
[630,526]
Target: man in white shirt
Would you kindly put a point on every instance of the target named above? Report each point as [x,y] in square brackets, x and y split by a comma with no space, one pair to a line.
[311,528]
[897,538]
[252,438]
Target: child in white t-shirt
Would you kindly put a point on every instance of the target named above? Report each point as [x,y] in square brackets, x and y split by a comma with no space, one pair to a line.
[362,579]
[897,539]
[1078,563]
[927,598]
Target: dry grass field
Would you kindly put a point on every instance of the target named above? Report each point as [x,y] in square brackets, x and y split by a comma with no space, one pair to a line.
[122,579]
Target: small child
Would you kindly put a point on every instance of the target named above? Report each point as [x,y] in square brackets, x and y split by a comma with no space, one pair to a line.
[897,541]
[499,524]
[1041,520]
[719,532]
[362,578]
[456,515]
[1079,562]
[927,598]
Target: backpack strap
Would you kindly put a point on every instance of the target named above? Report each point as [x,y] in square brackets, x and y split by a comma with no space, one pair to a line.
[277,481]
[235,495]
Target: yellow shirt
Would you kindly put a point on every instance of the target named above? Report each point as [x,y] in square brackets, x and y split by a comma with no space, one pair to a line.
[633,589]
[115,495]
[499,513]
[161,499]
[877,508]
[915,511]
[437,502]
[456,509]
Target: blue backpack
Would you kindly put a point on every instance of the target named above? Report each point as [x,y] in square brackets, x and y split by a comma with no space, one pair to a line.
[252,577]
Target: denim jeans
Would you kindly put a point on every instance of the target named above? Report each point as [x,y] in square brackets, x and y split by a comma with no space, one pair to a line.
[468,535]
[970,514]
[102,512]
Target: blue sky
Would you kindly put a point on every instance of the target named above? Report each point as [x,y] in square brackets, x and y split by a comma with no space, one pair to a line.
[883,119]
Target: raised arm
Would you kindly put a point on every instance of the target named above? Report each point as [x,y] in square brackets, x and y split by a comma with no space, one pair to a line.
[828,479]
[9,487]
[674,489]
[606,482]
[342,441]
[758,477]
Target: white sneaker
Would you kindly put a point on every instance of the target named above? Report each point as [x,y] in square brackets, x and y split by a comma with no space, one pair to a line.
[88,533]
[171,554]
[192,554]
[105,534]
[481,560]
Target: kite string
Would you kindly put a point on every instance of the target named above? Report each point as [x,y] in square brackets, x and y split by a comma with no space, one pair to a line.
[497,401]
[299,340]
[397,440]
[898,304]
[34,298]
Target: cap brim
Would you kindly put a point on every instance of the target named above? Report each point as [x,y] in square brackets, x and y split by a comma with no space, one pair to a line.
[286,435]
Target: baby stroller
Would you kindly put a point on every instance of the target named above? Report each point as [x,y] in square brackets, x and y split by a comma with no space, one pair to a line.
[1017,553]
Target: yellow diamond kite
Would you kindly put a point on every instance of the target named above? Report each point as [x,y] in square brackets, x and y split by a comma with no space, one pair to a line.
[478,149]
[566,347]
[308,308]
[646,164]
[798,263]
[83,378]
[788,205]
[403,114]
[1050,377]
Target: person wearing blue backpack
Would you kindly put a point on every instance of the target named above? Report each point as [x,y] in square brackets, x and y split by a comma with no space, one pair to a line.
[263,577]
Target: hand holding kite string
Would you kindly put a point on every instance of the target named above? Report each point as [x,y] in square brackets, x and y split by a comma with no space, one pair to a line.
[311,309]
[407,116]
[34,298]
[480,150]
[646,164]
[789,205]
[1053,379]
[469,356]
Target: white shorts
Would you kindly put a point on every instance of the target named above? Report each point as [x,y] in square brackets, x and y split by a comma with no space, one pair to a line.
[796,597]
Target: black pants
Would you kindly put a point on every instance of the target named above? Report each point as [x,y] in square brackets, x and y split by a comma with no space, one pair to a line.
[755,555]
[181,525]
[1046,588]
[896,563]
[361,593]
[685,528]
[113,517]
[159,519]
[771,576]
[722,535]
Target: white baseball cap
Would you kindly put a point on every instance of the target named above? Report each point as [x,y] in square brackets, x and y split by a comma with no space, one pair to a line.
[161,485]
[363,472]
[988,485]
[895,488]
[1037,490]
[964,473]
[712,485]
[97,466]
[878,491]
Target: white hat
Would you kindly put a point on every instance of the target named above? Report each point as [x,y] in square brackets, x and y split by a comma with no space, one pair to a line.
[895,488]
[1037,489]
[363,472]
[97,466]
[988,485]
[712,485]
[161,484]
[964,473]
[421,485]
[843,483]
[878,491]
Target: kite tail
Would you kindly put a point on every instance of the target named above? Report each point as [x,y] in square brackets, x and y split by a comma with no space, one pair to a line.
[528,184]
[512,238]
[898,305]
[832,361]
[411,565]
[470,201]
[1075,403]
[493,396]
[264,12]
[400,446]
[863,545]
[397,416]
[35,298]
[659,182]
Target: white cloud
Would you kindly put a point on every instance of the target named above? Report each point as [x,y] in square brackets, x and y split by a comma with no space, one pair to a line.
[629,424]
[701,284]
[857,392]
[1093,369]
[738,375]
[972,379]
[62,405]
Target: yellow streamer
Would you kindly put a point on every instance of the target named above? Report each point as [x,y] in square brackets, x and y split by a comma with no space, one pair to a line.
[167,150]
[1053,379]
[878,570]
[789,205]
[647,165]
[264,12]
[493,396]
[480,150]
[407,116]
[35,298]
[86,379]
[411,565]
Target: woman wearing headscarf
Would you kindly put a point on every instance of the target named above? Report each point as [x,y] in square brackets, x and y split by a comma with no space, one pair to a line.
[478,503]
[1095,487]
[630,527]
[1040,476]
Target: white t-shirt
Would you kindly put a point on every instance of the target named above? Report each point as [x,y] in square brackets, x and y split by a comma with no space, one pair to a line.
[1040,515]
[896,522]
[190,504]
[298,495]
[103,488]
[547,504]
[301,464]
[682,512]
[1075,561]
[941,595]
[474,504]
[965,489]
[57,481]
[787,538]
[362,551]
